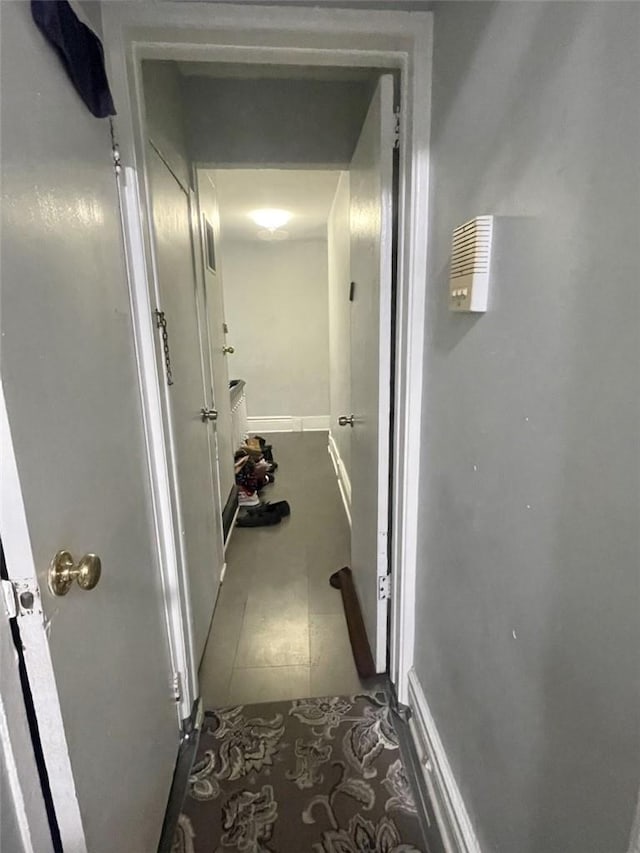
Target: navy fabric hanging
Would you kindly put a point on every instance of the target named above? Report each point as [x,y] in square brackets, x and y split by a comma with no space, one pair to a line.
[80,51]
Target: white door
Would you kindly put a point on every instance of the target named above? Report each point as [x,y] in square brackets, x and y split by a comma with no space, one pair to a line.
[371,179]
[74,467]
[217,328]
[198,511]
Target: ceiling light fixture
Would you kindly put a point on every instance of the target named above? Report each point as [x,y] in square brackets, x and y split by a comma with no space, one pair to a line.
[270,218]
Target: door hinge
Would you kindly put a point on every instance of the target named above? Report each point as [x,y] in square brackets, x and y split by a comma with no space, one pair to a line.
[117,162]
[396,127]
[115,149]
[384,588]
[21,598]
[176,687]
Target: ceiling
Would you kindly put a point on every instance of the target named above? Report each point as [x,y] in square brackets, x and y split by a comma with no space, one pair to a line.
[307,195]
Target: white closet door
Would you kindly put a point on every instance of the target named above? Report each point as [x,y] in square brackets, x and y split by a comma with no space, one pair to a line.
[193,440]
[371,181]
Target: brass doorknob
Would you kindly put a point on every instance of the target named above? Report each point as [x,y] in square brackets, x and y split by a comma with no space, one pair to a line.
[63,572]
[228,350]
[343,420]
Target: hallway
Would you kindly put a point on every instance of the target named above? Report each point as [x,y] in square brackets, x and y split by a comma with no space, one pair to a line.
[279,630]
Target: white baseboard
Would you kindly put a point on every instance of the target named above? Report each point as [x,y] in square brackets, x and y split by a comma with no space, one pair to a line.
[342,475]
[288,423]
[230,534]
[457,832]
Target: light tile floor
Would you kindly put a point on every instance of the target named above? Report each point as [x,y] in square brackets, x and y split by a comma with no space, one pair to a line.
[279,630]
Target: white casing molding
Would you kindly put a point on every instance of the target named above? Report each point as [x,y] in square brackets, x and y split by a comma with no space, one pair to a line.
[288,423]
[344,482]
[453,820]
[400,41]
[159,444]
[228,539]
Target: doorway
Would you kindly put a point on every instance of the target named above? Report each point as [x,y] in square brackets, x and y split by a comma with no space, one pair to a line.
[321,39]
[279,629]
[286,299]
[153,569]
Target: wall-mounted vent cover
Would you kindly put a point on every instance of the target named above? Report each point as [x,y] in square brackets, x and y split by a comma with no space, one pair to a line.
[471,265]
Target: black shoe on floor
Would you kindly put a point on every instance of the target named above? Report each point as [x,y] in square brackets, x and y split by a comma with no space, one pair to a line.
[263,519]
[281,509]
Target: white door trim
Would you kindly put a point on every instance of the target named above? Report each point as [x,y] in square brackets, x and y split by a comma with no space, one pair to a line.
[23,789]
[413,228]
[170,553]
[394,40]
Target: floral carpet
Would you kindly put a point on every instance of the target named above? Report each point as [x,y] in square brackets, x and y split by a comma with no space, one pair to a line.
[305,776]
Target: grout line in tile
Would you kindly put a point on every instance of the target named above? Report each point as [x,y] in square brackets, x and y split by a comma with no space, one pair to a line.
[237,643]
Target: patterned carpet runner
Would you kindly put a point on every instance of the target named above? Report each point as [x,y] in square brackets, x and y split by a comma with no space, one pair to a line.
[304,776]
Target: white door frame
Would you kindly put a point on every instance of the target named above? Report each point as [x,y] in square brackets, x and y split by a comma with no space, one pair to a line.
[159,442]
[22,792]
[299,36]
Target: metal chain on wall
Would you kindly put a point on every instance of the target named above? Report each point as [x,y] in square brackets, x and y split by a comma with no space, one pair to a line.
[161,323]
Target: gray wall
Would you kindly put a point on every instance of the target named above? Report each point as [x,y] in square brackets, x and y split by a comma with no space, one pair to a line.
[90,12]
[272,122]
[276,305]
[528,595]
[165,119]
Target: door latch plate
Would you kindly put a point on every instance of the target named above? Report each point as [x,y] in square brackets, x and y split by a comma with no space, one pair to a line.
[21,598]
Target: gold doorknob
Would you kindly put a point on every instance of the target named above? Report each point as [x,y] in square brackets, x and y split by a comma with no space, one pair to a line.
[228,350]
[63,572]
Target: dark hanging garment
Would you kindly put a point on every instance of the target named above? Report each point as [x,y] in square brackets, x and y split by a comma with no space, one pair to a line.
[80,51]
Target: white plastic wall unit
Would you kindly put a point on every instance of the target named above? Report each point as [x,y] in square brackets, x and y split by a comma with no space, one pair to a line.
[471,265]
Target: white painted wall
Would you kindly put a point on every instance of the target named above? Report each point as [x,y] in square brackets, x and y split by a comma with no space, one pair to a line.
[276,303]
[338,253]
